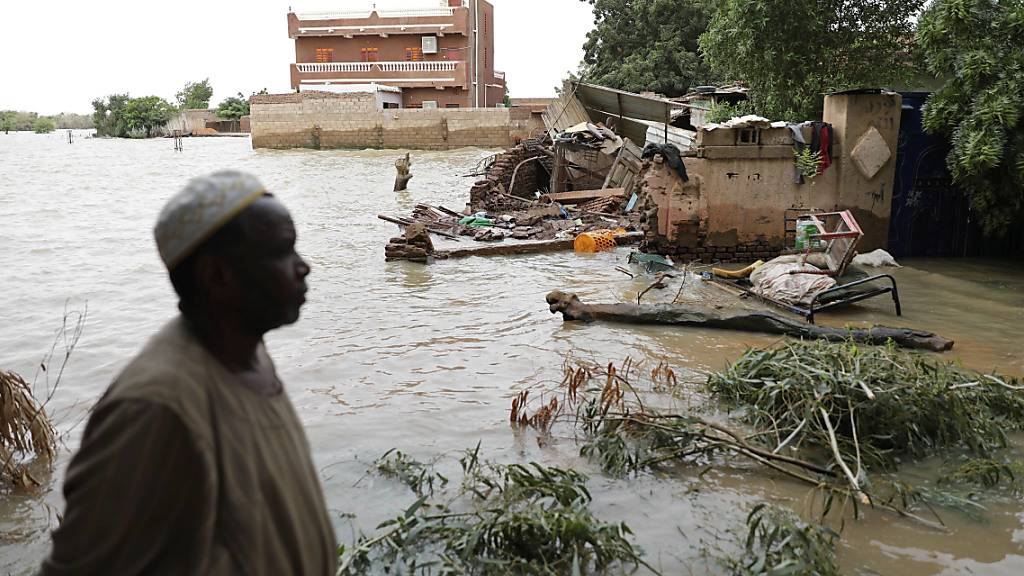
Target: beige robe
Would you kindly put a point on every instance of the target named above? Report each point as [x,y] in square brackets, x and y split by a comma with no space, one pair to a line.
[183,470]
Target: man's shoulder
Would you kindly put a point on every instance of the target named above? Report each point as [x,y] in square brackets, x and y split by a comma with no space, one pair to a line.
[172,370]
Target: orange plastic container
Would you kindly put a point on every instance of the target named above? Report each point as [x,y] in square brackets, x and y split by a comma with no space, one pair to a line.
[595,241]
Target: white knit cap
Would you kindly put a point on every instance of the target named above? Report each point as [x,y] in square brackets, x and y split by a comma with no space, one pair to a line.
[204,206]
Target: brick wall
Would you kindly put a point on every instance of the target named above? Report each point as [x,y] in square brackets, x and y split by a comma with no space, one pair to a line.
[324,120]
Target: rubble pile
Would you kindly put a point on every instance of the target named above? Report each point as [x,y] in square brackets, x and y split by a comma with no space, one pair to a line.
[492,193]
[414,245]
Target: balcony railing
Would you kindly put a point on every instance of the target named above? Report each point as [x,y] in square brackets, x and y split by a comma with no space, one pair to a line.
[335,67]
[353,14]
[423,66]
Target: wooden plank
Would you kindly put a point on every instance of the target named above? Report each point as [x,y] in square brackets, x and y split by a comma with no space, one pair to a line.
[581,196]
[535,247]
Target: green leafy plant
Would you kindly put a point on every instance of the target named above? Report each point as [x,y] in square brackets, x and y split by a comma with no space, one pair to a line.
[107,116]
[195,95]
[988,473]
[143,115]
[834,416]
[233,108]
[44,125]
[808,163]
[976,47]
[503,519]
[419,477]
[878,402]
[724,111]
[778,542]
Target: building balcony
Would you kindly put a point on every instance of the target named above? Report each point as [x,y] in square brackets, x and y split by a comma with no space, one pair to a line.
[440,21]
[435,73]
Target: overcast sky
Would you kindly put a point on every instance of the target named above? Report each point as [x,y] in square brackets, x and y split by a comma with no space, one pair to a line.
[56,56]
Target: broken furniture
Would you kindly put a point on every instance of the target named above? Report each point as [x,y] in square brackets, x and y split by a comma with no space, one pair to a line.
[835,260]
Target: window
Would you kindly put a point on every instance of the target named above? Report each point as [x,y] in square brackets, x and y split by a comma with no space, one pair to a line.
[451,105]
[368,54]
[390,105]
[413,54]
[325,54]
[749,136]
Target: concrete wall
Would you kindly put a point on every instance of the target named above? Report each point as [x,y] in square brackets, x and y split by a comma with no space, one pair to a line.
[737,199]
[323,120]
[189,120]
[857,117]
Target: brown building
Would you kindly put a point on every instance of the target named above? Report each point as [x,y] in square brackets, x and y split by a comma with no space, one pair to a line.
[441,56]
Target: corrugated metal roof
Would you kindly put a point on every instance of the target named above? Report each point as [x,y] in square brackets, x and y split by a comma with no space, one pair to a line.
[611,102]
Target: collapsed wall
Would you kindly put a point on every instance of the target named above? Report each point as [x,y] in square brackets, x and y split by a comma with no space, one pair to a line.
[529,162]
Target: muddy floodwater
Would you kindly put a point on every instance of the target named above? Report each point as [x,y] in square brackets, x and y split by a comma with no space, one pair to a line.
[428,358]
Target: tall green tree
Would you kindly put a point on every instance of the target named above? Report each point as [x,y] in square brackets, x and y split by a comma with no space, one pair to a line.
[44,125]
[978,46]
[142,115]
[647,45]
[195,95]
[107,116]
[791,51]
[233,107]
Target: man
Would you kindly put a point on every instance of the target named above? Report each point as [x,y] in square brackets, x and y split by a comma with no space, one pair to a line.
[194,461]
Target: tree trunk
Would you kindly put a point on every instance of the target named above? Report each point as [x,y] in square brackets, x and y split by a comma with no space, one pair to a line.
[402,165]
[752,321]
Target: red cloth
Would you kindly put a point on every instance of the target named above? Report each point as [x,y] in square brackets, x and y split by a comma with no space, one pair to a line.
[825,146]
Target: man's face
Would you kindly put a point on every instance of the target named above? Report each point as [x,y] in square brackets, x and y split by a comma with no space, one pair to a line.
[271,276]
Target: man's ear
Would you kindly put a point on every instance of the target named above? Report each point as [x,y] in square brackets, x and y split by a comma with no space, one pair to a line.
[217,280]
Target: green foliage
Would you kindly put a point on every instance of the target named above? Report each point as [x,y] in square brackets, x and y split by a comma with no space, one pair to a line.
[791,51]
[195,95]
[142,115]
[882,403]
[646,46]
[107,116]
[978,47]
[419,477]
[233,107]
[66,120]
[121,116]
[724,111]
[522,520]
[807,162]
[778,542]
[827,415]
[43,125]
[988,473]
[17,120]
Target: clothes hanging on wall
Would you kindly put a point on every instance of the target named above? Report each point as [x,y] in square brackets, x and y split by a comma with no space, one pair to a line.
[671,155]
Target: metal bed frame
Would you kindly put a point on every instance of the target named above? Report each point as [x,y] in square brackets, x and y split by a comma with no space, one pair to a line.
[838,254]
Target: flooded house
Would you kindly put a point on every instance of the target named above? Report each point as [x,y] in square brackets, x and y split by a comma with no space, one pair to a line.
[743,181]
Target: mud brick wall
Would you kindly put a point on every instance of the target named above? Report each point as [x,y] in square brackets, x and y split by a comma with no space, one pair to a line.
[743,253]
[483,195]
[324,120]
